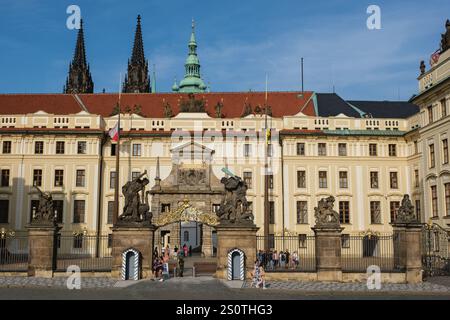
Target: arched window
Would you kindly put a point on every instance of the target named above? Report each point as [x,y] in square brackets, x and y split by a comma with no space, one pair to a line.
[186,236]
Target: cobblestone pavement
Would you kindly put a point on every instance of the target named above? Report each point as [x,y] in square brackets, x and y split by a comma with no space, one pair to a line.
[442,286]
[88,282]
[210,288]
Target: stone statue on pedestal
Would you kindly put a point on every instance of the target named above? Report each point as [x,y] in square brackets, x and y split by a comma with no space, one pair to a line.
[136,209]
[445,38]
[44,213]
[234,206]
[406,213]
[325,215]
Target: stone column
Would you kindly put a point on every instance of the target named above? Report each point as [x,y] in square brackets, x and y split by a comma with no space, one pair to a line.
[207,248]
[408,250]
[42,249]
[328,253]
[229,237]
[140,238]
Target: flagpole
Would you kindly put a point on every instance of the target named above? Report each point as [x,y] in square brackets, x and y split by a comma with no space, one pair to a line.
[266,181]
[116,182]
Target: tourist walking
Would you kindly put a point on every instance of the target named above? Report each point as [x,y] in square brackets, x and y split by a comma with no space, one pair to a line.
[185,250]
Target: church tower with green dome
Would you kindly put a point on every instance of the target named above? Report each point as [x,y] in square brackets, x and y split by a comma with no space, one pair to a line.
[192,81]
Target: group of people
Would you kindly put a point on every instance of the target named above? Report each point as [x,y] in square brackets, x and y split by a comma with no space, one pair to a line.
[161,262]
[278,260]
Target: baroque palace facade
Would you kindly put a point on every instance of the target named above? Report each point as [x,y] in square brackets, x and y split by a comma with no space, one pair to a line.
[367,154]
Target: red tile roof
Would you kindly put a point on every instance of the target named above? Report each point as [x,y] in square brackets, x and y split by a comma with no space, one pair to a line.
[11,104]
[282,103]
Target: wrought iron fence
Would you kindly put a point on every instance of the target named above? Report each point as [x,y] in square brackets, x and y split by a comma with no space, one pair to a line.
[435,250]
[89,252]
[13,251]
[288,253]
[358,252]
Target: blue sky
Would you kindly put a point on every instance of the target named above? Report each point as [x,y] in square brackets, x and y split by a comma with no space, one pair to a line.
[239,42]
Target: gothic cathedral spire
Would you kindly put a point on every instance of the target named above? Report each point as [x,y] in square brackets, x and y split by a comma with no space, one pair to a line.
[137,79]
[79,79]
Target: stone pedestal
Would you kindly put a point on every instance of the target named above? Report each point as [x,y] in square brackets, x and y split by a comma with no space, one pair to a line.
[207,248]
[408,250]
[140,238]
[42,250]
[230,237]
[328,253]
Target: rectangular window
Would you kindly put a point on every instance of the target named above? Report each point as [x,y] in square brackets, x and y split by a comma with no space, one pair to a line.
[271,212]
[81,178]
[345,241]
[322,149]
[392,150]
[432,159]
[394,205]
[78,211]
[4,211]
[418,213]
[136,149]
[110,212]
[248,179]
[373,149]
[113,149]
[322,179]
[58,206]
[59,178]
[342,147]
[393,180]
[81,148]
[434,201]
[300,149]
[37,177]
[165,207]
[444,108]
[302,243]
[34,204]
[135,175]
[39,147]
[112,180]
[344,211]
[374,179]
[110,240]
[447,199]
[416,147]
[302,212]
[78,241]
[416,178]
[60,147]
[6,147]
[343,180]
[301,179]
[430,114]
[375,212]
[445,151]
[270,181]
[247,150]
[216,207]
[5,178]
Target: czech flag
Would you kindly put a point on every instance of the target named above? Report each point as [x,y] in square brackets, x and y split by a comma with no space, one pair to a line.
[114,132]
